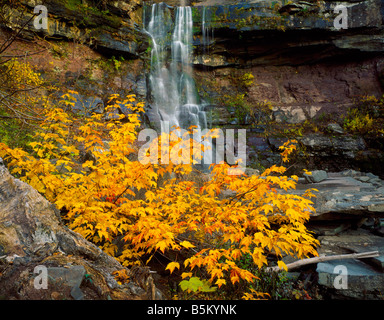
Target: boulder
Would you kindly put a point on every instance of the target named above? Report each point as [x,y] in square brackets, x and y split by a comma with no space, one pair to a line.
[358,240]
[85,105]
[33,237]
[336,152]
[316,176]
[348,219]
[335,128]
[319,151]
[72,276]
[321,145]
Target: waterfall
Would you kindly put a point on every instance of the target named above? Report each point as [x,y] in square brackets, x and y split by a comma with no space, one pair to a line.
[206,30]
[174,100]
[172,86]
[173,91]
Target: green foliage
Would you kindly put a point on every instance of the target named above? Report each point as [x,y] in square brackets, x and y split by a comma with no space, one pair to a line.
[20,106]
[90,11]
[117,62]
[356,122]
[246,113]
[60,50]
[366,117]
[195,284]
[261,111]
[238,106]
[112,64]
[247,79]
[294,131]
[276,284]
[13,132]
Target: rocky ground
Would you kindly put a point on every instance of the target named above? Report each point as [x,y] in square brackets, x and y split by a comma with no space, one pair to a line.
[349,219]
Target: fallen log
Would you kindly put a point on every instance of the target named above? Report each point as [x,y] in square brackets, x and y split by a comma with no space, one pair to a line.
[299,263]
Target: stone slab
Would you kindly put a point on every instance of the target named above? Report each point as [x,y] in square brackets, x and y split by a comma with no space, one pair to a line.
[347,195]
[361,280]
[72,276]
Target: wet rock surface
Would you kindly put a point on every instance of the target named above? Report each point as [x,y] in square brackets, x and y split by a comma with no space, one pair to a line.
[361,280]
[363,277]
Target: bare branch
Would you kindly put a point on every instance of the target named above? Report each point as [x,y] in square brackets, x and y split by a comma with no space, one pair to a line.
[299,263]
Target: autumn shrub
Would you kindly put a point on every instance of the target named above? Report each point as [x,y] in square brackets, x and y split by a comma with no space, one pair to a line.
[357,122]
[133,209]
[366,116]
[20,105]
[247,79]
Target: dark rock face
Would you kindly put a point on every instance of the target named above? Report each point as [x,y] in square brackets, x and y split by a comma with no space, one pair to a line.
[345,147]
[272,33]
[300,100]
[251,33]
[301,63]
[33,236]
[111,29]
[306,68]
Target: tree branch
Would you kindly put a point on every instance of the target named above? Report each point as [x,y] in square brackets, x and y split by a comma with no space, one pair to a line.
[299,263]
[10,40]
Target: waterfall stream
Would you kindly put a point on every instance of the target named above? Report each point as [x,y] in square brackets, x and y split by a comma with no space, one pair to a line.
[206,30]
[172,86]
[174,99]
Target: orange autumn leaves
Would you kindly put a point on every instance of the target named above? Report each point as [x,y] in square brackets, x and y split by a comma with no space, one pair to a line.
[132,210]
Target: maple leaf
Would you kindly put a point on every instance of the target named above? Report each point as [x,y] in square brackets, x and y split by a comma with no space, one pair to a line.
[220,282]
[186,275]
[216,273]
[234,276]
[187,244]
[172,265]
[162,245]
[282,265]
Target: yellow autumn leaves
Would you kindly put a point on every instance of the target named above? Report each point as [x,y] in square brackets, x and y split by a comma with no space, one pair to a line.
[133,210]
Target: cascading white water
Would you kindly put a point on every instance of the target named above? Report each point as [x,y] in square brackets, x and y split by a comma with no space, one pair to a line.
[174,98]
[206,30]
[173,89]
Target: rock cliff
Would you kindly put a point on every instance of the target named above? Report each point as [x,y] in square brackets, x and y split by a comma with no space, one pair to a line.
[308,71]
[108,27]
